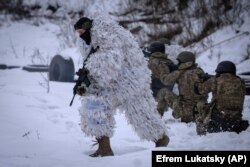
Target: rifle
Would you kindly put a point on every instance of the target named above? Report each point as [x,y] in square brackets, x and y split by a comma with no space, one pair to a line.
[82,75]
[205,76]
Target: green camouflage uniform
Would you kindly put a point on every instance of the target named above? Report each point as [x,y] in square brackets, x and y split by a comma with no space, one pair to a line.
[159,62]
[224,113]
[184,104]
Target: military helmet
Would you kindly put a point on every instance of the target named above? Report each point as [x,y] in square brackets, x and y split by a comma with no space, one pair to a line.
[186,56]
[226,67]
[156,46]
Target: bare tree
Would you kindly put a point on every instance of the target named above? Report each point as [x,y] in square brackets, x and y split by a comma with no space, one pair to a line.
[36,56]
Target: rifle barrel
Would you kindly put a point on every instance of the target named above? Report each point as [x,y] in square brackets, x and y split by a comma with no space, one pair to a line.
[72,100]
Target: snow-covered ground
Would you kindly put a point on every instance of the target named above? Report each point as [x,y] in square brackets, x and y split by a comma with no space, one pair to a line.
[40,129]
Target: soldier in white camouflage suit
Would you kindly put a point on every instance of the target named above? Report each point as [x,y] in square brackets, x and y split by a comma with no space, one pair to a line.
[119,79]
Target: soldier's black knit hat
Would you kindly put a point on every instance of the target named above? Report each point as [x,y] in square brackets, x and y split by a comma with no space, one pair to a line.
[83,23]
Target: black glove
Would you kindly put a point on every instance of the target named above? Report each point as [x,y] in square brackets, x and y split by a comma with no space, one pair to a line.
[196,88]
[204,77]
[83,72]
[80,90]
[172,67]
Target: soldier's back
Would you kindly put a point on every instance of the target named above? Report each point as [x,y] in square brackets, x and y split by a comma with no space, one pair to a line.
[186,84]
[230,92]
[158,62]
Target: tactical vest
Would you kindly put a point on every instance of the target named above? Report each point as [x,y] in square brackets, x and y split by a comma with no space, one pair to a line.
[155,66]
[230,93]
[186,85]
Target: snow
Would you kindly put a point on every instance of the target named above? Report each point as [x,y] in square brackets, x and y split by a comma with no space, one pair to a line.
[19,42]
[230,43]
[40,129]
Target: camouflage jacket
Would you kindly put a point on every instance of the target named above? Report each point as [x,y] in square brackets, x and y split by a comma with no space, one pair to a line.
[228,91]
[185,78]
[158,62]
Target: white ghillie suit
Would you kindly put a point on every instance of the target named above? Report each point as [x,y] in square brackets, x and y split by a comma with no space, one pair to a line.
[120,79]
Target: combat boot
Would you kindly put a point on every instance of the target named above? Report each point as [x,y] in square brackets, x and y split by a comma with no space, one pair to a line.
[104,148]
[162,142]
[200,127]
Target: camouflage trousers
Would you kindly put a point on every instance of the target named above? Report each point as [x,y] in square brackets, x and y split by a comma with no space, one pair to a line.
[162,104]
[214,122]
[182,108]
